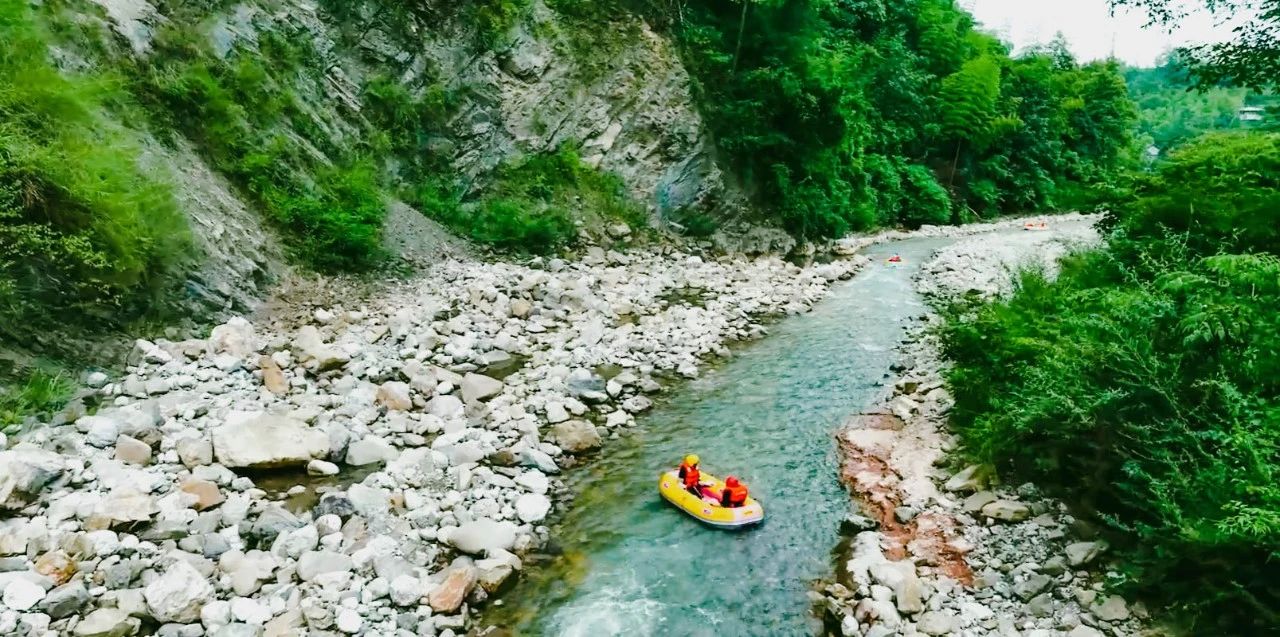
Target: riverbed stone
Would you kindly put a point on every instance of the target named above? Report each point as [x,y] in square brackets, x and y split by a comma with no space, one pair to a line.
[576,436]
[532,508]
[482,535]
[315,563]
[178,594]
[65,600]
[1082,553]
[937,623]
[107,622]
[1007,510]
[1112,609]
[448,595]
[477,387]
[266,441]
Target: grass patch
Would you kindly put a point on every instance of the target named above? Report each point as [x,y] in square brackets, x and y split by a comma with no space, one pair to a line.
[37,393]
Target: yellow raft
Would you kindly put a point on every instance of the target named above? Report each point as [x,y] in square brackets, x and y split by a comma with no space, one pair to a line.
[671,488]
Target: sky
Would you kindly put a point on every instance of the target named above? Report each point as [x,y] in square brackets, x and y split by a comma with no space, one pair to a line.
[1091,29]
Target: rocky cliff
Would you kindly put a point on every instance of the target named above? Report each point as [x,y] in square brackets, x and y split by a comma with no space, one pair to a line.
[619,92]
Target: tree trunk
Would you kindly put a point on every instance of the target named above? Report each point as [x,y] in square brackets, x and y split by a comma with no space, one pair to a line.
[742,27]
[955,163]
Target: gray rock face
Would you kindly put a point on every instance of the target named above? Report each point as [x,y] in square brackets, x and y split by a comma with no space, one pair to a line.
[265,441]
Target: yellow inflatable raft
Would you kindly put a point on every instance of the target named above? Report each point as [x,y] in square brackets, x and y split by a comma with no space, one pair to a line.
[671,488]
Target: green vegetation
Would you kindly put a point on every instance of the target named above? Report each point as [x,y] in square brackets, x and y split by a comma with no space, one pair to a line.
[1251,58]
[849,115]
[83,228]
[1170,113]
[33,393]
[532,202]
[240,112]
[1145,381]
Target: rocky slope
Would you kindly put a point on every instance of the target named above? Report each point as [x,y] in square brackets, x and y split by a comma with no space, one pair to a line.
[937,553]
[445,407]
[631,111]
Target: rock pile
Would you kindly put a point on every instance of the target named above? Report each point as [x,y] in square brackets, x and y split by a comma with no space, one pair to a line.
[144,517]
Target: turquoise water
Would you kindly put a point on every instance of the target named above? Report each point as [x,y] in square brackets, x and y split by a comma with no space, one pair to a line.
[633,564]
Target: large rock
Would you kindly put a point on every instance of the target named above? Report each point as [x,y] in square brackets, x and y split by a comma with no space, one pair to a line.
[447,597]
[371,450]
[481,536]
[1112,609]
[1007,511]
[315,563]
[107,622]
[937,623]
[194,452]
[477,387]
[587,386]
[235,337]
[576,436]
[25,472]
[22,595]
[65,600]
[178,594]
[314,353]
[265,441]
[395,396]
[532,508]
[1081,553]
[446,407]
[972,478]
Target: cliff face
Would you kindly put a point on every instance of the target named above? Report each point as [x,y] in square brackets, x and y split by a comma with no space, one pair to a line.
[617,90]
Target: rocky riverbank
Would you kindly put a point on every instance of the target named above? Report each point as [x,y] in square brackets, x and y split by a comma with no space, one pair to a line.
[455,399]
[937,552]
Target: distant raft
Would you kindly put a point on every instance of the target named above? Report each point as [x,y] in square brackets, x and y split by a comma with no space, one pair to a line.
[672,489]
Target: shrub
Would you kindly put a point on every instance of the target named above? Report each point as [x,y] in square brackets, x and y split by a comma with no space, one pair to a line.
[238,112]
[1144,383]
[82,226]
[533,201]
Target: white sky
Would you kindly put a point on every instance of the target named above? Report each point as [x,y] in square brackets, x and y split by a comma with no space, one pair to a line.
[1090,28]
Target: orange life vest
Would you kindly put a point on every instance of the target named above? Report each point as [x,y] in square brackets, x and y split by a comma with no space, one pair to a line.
[735,496]
[690,475]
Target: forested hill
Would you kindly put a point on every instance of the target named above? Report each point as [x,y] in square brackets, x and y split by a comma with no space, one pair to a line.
[850,115]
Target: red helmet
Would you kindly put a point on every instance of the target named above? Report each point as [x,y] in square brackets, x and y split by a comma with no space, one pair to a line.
[731,481]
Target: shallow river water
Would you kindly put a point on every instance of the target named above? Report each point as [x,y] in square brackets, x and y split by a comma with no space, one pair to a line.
[633,564]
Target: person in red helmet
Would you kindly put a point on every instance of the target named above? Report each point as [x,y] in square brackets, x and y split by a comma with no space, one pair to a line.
[734,494]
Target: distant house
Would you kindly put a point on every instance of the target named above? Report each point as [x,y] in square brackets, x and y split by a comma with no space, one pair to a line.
[1251,114]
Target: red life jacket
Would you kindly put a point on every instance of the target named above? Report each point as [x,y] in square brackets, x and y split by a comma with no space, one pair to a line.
[734,496]
[690,475]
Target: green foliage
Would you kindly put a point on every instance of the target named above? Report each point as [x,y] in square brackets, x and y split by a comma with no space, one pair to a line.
[533,201]
[31,393]
[1170,113]
[83,227]
[239,112]
[1145,382]
[823,105]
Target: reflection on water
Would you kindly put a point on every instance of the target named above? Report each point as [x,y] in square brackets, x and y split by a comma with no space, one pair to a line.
[635,565]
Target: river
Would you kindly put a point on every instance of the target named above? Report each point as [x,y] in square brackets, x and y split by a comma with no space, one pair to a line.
[633,564]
